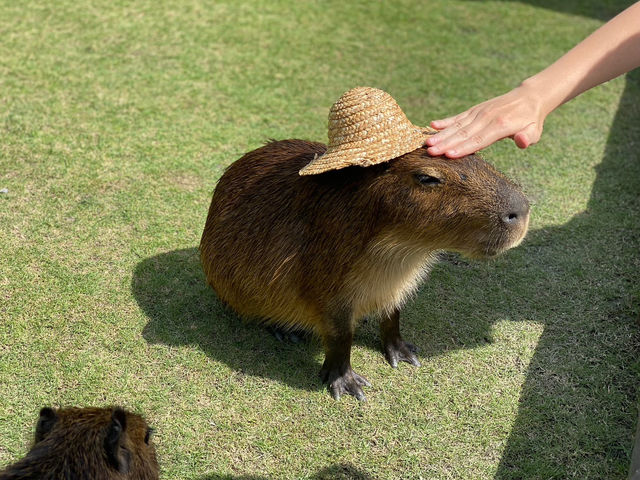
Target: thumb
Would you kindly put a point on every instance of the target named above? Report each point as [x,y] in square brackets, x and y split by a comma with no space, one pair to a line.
[527,136]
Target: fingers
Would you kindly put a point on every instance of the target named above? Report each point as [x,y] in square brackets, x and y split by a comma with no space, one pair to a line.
[517,114]
[521,140]
[450,140]
[453,131]
[476,132]
[473,133]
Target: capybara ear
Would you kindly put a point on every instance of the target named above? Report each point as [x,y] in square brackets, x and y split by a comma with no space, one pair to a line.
[117,456]
[47,420]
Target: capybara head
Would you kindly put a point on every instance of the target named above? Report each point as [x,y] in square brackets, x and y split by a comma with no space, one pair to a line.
[321,251]
[463,205]
[88,443]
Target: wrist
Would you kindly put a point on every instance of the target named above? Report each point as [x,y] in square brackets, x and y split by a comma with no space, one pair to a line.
[544,94]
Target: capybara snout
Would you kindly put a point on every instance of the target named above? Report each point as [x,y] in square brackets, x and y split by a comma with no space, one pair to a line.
[516,211]
[322,251]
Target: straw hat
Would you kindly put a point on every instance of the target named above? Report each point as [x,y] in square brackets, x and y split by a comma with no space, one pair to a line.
[366,127]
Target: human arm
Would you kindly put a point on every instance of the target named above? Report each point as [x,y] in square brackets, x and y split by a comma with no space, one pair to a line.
[608,52]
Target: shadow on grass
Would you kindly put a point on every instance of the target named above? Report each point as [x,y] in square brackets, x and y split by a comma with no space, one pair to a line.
[183,309]
[602,10]
[580,280]
[339,471]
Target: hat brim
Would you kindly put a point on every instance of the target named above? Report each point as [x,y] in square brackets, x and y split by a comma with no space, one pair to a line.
[347,155]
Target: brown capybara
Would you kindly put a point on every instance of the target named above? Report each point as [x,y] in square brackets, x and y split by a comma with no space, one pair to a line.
[88,444]
[320,252]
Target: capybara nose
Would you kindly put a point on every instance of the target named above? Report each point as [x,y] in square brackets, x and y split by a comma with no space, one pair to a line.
[517,209]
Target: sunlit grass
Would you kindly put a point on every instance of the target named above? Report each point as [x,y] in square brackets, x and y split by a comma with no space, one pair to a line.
[117,119]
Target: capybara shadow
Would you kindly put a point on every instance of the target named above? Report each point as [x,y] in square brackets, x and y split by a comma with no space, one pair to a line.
[339,471]
[172,290]
[585,323]
[88,444]
[342,471]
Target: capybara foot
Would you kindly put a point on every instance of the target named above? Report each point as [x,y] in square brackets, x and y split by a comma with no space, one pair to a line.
[400,351]
[348,382]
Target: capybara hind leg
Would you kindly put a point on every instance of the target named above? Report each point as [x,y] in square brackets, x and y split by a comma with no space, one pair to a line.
[336,370]
[395,348]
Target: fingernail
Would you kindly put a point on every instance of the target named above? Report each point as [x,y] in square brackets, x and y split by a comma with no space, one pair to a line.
[452,153]
[433,150]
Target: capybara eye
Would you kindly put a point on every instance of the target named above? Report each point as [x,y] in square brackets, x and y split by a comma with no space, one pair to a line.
[148,435]
[428,180]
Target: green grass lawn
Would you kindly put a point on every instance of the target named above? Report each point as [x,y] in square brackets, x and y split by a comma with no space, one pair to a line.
[116,120]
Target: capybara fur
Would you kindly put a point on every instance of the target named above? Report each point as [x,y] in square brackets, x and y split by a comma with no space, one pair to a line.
[320,252]
[88,444]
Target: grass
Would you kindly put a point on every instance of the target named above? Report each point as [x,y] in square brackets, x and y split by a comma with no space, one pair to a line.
[117,118]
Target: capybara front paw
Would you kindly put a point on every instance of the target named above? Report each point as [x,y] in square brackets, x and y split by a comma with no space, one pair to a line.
[348,382]
[401,351]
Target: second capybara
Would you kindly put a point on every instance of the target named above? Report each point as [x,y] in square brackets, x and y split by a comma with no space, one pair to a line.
[320,252]
[88,444]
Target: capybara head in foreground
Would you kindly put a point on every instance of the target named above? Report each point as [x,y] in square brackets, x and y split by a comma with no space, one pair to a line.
[320,252]
[88,444]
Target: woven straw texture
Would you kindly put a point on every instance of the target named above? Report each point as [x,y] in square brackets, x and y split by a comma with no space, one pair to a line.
[366,127]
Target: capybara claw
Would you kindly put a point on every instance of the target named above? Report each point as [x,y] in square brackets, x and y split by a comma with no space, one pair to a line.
[338,389]
[349,383]
[401,352]
[361,380]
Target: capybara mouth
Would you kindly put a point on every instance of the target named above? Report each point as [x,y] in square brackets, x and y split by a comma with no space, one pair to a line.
[498,243]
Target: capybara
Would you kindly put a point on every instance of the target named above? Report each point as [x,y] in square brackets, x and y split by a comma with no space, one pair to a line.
[320,252]
[88,444]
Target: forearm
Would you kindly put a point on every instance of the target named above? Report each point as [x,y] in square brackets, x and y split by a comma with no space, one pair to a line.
[608,52]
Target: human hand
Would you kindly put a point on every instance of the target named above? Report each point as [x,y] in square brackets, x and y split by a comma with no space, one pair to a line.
[518,115]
